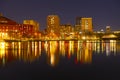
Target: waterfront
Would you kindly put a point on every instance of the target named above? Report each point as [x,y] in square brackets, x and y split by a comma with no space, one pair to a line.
[98,59]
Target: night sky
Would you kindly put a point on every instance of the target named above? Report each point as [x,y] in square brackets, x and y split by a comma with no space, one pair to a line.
[104,12]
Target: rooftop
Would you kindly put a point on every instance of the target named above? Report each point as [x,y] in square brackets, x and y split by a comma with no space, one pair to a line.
[4,20]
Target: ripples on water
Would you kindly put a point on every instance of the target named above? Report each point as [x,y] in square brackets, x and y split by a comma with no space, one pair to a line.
[67,57]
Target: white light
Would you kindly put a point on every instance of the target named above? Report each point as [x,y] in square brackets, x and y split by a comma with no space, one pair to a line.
[2,45]
[83,37]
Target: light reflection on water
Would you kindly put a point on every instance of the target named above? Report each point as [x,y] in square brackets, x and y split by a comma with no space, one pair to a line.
[32,50]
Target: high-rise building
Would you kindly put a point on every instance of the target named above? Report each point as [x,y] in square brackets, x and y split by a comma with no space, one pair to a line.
[78,24]
[53,23]
[35,24]
[86,24]
[78,20]
[108,29]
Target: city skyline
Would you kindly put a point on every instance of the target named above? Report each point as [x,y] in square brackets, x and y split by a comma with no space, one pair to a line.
[104,13]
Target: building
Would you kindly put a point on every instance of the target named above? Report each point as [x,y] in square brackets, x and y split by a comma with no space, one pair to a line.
[78,24]
[78,20]
[66,28]
[108,30]
[10,29]
[32,22]
[86,25]
[83,24]
[53,23]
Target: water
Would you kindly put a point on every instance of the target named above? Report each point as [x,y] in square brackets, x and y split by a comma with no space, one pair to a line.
[60,60]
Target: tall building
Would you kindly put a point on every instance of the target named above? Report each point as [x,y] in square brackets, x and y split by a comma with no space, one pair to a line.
[78,24]
[53,23]
[78,20]
[108,29]
[33,23]
[86,24]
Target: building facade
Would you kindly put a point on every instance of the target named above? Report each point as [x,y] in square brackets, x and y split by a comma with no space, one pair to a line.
[34,23]
[108,30]
[86,25]
[78,24]
[53,23]
[10,29]
[78,20]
